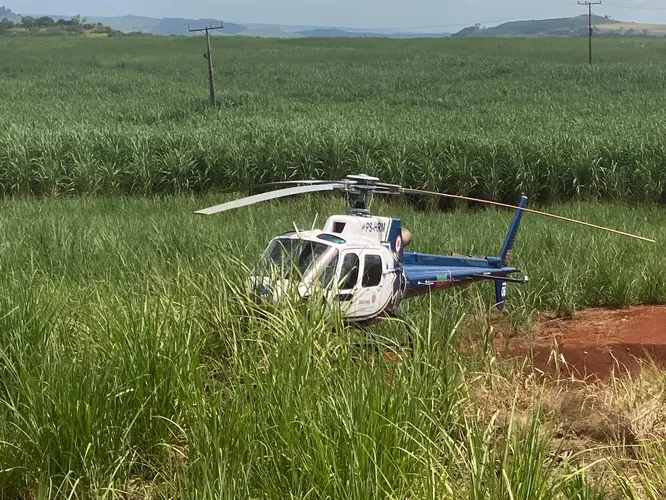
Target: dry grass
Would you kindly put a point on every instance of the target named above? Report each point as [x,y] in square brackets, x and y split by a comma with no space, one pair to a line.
[651,28]
[614,427]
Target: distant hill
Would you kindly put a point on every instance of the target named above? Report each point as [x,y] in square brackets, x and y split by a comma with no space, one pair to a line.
[337,33]
[6,13]
[179,26]
[325,33]
[165,26]
[570,26]
[128,23]
[267,31]
[348,33]
[567,26]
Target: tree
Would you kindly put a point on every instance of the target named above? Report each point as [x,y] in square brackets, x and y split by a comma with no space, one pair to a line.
[28,22]
[79,23]
[45,22]
[6,24]
[78,20]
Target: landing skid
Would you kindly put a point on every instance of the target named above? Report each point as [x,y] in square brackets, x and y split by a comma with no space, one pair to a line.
[375,347]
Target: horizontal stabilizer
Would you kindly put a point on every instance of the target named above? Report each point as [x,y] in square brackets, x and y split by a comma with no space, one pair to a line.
[501,278]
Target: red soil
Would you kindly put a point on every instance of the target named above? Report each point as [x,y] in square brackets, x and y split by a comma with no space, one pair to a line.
[598,342]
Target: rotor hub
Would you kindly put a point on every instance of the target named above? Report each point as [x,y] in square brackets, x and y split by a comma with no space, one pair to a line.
[359,186]
[363,180]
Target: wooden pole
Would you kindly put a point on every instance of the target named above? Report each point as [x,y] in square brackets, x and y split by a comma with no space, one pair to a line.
[211,82]
[589,18]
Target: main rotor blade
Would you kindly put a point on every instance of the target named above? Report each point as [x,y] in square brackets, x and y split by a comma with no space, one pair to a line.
[528,210]
[258,198]
[272,184]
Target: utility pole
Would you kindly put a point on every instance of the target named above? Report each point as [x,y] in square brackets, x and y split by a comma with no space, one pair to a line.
[589,17]
[209,58]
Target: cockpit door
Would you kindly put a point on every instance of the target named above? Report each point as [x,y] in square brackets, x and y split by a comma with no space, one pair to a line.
[360,284]
[348,277]
[368,299]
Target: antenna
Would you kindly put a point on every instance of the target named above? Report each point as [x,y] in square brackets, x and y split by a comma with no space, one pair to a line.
[207,55]
[298,234]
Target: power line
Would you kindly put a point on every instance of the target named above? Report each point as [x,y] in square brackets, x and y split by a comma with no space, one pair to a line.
[632,7]
[160,25]
[469,23]
[434,26]
[147,27]
[172,24]
[383,28]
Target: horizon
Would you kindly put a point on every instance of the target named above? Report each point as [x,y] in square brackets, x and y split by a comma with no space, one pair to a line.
[420,15]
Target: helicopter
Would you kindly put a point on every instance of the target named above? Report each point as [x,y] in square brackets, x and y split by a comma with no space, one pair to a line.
[359,259]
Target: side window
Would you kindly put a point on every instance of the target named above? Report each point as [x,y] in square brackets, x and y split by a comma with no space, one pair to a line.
[349,271]
[372,272]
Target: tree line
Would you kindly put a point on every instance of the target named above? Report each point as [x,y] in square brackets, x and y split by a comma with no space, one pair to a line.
[10,23]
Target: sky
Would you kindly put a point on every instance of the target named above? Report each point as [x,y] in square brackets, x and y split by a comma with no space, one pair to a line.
[448,15]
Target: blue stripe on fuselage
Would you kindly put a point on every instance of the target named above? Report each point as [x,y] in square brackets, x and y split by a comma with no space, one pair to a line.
[425,273]
[422,259]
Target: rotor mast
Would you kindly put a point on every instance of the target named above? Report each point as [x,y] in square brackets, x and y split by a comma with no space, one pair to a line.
[359,187]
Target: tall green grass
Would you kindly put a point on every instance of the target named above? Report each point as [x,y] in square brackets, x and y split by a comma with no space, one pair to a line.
[138,399]
[133,362]
[492,118]
[117,242]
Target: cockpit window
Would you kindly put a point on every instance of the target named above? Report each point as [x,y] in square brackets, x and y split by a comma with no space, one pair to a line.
[281,252]
[294,258]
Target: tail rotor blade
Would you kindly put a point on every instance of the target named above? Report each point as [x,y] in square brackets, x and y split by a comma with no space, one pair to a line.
[272,195]
[527,210]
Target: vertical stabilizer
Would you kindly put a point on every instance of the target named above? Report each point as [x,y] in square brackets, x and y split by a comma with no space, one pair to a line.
[505,253]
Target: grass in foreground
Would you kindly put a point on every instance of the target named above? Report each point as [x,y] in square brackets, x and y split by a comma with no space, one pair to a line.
[131,361]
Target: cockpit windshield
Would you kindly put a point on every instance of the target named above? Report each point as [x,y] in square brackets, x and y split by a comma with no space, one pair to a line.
[293,258]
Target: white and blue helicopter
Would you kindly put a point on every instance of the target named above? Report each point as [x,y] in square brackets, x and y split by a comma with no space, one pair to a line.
[359,259]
